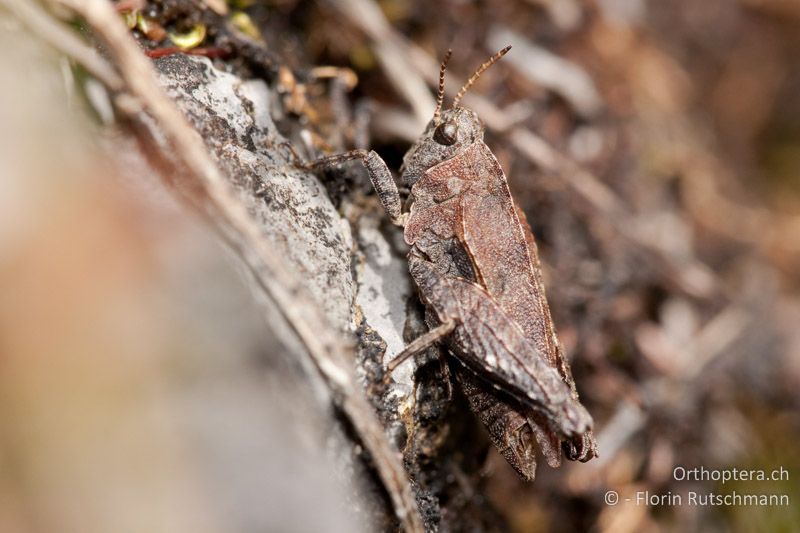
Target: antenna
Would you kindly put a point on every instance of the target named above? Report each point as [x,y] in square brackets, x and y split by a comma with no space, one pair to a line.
[491,61]
[440,94]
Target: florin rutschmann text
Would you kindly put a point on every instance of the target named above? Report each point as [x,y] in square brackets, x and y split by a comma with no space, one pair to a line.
[709,499]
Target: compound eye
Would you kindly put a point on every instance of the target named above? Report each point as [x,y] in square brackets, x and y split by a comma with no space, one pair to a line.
[445,133]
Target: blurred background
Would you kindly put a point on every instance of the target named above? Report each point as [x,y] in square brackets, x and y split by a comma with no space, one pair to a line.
[655,147]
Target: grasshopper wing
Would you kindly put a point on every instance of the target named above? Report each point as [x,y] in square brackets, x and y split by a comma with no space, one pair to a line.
[504,256]
[494,346]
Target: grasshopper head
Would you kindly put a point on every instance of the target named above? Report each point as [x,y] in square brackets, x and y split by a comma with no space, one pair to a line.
[449,132]
[444,137]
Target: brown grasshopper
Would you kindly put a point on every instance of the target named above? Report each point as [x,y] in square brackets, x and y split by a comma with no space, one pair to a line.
[475,263]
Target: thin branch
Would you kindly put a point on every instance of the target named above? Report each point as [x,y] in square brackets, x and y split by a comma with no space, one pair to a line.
[56,35]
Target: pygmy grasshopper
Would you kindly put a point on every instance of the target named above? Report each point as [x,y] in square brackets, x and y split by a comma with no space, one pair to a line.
[475,263]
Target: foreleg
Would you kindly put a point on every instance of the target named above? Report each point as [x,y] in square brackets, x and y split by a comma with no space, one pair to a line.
[379,175]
